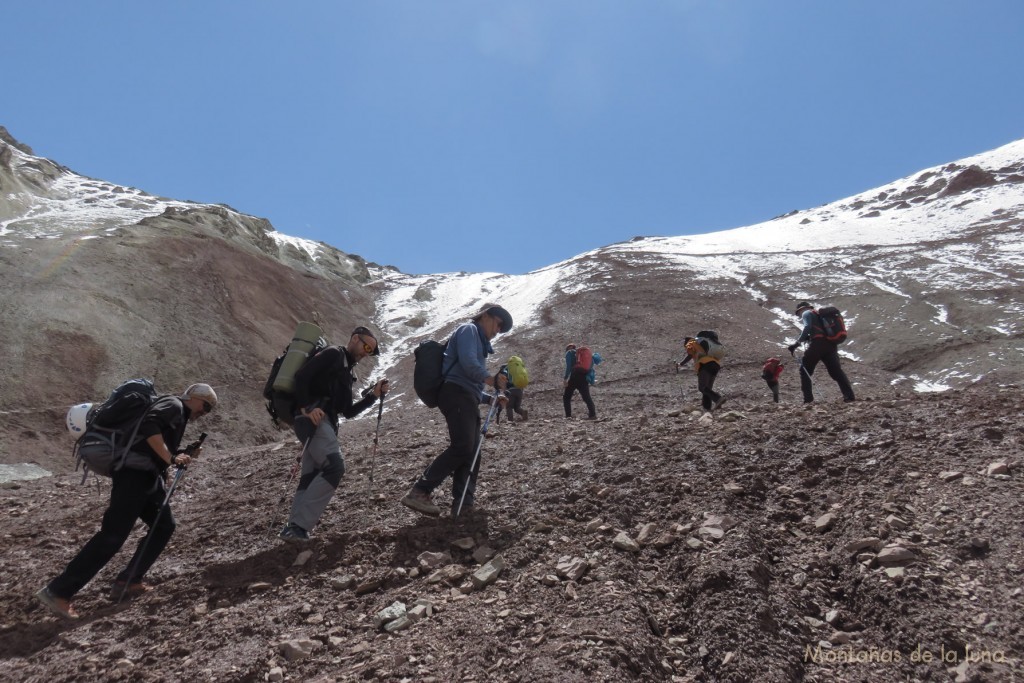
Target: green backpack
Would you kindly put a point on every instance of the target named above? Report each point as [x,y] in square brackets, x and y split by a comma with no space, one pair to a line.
[517,372]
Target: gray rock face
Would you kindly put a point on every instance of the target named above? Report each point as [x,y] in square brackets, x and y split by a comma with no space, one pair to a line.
[895,554]
[571,568]
[298,649]
[622,541]
[488,573]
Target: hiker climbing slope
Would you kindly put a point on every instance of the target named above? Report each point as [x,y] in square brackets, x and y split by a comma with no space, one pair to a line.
[323,391]
[706,352]
[770,373]
[465,373]
[821,348]
[136,492]
[578,376]
[518,379]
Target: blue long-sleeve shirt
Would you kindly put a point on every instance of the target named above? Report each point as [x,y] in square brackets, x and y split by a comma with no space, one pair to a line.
[810,318]
[465,359]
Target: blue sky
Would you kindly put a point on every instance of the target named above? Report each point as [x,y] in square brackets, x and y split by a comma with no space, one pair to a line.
[506,136]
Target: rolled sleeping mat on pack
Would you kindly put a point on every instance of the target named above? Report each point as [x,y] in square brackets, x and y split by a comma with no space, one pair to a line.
[307,336]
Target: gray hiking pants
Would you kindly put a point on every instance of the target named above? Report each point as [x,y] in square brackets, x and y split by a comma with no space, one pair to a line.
[322,469]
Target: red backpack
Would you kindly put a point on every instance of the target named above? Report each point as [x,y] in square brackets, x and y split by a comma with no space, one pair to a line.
[771,369]
[584,359]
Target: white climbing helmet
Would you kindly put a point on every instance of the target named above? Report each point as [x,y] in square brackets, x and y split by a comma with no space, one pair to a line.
[77,418]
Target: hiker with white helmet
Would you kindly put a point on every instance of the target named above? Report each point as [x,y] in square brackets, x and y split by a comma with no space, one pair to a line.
[137,492]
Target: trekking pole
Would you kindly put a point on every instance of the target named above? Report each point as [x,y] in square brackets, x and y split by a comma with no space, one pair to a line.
[810,378]
[179,471]
[480,443]
[291,477]
[376,437]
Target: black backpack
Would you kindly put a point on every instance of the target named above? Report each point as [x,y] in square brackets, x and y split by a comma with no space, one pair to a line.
[709,334]
[112,427]
[428,375]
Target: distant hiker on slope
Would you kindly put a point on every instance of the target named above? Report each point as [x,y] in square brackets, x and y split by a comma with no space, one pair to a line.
[465,373]
[515,372]
[579,375]
[137,492]
[323,390]
[706,352]
[821,348]
[770,372]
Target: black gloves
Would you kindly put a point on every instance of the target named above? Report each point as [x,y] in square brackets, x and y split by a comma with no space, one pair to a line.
[793,347]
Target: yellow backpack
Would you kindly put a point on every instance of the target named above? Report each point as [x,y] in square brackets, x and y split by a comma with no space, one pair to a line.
[517,372]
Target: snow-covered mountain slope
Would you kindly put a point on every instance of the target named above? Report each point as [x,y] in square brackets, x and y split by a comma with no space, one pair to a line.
[44,200]
[929,261]
[927,269]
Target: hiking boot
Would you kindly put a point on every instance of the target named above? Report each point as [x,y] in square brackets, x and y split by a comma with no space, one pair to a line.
[719,403]
[420,502]
[524,414]
[591,417]
[133,590]
[57,605]
[295,534]
[849,400]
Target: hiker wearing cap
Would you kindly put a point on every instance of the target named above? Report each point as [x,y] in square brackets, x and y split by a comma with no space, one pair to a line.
[579,375]
[819,349]
[137,492]
[465,378]
[323,391]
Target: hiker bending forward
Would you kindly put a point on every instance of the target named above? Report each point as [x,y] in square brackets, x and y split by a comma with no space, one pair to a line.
[465,375]
[707,367]
[137,492]
[821,350]
[323,390]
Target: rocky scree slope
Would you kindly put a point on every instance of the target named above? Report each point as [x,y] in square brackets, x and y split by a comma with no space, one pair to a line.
[653,544]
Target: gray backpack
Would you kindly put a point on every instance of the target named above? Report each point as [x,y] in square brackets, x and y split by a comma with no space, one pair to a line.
[112,431]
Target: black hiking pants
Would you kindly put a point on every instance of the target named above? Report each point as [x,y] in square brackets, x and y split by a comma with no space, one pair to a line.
[578,382]
[828,353]
[134,494]
[461,410]
[705,384]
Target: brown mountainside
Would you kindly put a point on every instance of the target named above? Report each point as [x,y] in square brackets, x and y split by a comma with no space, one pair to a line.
[761,543]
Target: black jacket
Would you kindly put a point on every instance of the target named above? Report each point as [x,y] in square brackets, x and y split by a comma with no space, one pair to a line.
[325,382]
[168,417]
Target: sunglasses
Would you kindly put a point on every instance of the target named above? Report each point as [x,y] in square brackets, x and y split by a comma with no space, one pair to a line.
[370,350]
